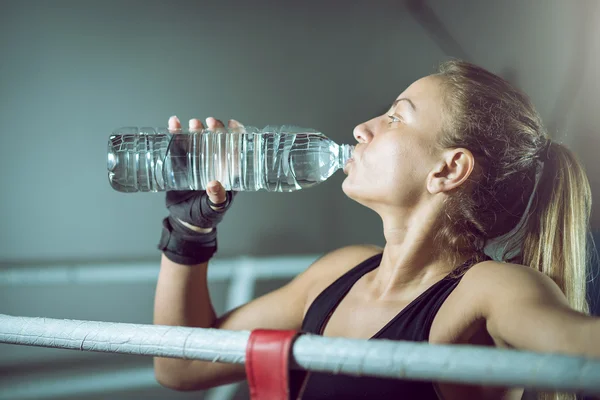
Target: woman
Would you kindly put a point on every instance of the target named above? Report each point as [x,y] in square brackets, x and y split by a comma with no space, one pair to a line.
[460,158]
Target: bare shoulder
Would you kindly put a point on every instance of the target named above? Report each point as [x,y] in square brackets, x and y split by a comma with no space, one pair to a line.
[506,275]
[499,282]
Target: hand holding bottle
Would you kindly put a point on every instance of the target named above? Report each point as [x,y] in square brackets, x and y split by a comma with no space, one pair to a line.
[200,209]
[189,234]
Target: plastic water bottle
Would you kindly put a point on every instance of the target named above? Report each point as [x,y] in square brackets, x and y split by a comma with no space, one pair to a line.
[275,159]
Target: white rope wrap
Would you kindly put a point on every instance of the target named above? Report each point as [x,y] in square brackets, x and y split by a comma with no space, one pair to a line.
[383,358]
[109,337]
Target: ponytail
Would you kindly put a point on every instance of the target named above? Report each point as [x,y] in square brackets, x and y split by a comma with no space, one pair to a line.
[555,240]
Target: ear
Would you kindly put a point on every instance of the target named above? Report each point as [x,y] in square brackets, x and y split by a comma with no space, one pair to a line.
[451,172]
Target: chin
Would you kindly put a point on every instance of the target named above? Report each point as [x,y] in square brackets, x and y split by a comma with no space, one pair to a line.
[353,192]
[370,196]
[347,187]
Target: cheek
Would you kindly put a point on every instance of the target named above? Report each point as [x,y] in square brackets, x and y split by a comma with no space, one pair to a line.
[390,172]
[378,173]
[388,162]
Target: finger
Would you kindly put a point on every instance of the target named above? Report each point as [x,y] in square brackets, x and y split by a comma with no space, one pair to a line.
[216,193]
[195,125]
[214,124]
[234,124]
[174,124]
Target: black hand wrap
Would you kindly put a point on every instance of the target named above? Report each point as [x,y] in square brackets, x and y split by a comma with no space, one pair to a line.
[194,207]
[181,244]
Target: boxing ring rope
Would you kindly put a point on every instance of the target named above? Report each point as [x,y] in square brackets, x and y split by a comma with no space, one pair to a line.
[382,358]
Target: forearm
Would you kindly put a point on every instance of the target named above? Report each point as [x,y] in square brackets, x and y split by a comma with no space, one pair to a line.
[181,299]
[182,296]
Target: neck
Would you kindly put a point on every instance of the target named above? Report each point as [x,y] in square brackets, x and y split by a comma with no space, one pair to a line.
[410,258]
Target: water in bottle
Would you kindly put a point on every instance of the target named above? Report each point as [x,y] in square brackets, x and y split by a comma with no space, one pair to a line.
[275,159]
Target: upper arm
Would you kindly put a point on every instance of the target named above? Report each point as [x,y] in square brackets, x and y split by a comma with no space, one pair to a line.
[526,310]
[281,309]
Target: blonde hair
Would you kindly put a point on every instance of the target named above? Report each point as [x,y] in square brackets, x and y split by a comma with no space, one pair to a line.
[519,169]
[556,237]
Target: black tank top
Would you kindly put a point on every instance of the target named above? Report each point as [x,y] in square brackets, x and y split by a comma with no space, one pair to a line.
[413,323]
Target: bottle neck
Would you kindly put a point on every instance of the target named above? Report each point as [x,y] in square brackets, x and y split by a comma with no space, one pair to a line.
[345,153]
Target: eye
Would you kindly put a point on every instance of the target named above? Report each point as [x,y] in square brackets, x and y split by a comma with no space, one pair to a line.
[393,119]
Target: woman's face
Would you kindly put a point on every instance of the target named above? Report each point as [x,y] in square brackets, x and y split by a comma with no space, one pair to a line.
[397,150]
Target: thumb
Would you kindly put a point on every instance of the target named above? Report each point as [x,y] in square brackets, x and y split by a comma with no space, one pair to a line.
[216,194]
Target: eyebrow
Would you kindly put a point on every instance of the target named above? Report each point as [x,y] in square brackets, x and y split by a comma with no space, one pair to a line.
[405,99]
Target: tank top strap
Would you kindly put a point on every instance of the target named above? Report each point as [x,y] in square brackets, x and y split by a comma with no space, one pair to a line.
[328,299]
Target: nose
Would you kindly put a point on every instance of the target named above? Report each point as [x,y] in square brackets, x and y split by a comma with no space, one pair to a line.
[362,133]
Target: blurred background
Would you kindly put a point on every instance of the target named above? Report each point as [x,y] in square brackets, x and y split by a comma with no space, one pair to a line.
[73,71]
